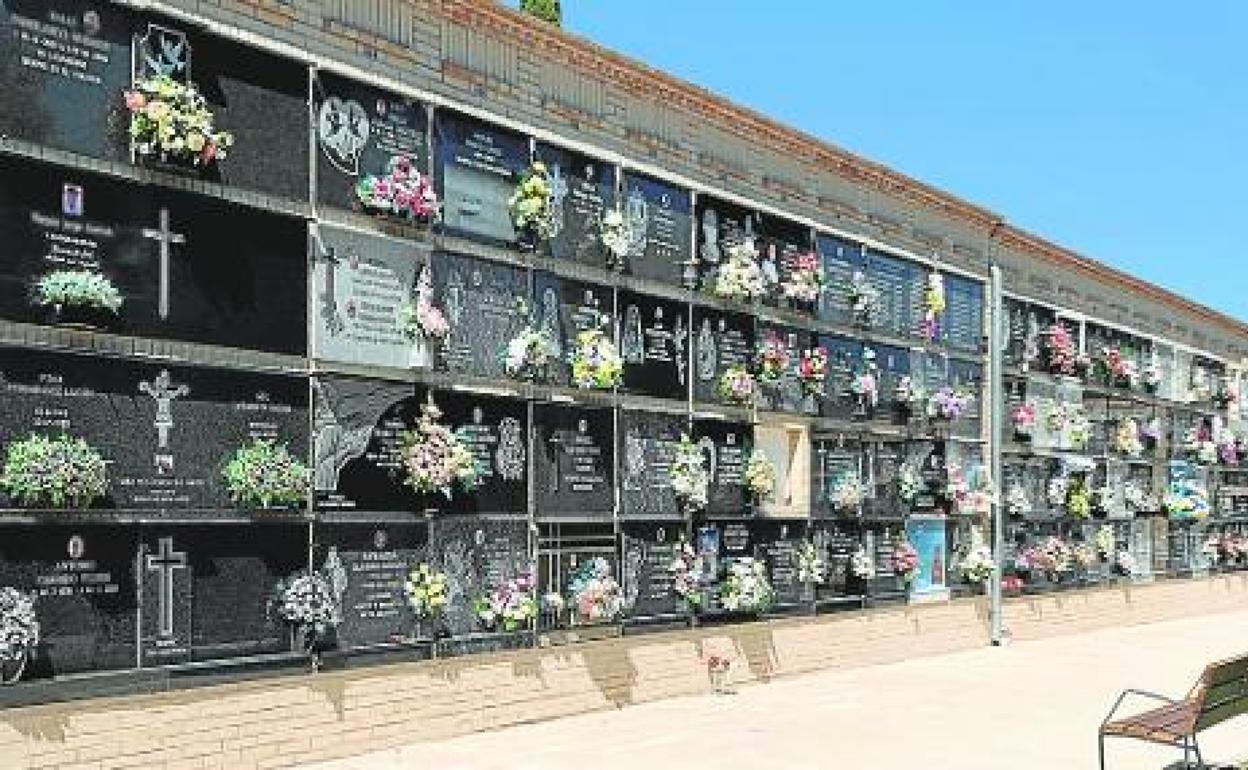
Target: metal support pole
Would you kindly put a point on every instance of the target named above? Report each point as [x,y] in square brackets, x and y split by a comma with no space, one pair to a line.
[996,351]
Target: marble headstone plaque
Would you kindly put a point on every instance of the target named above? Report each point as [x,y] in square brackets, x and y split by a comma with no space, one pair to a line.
[834,460]
[968,376]
[776,543]
[360,286]
[477,555]
[836,542]
[359,428]
[1027,323]
[654,344]
[82,577]
[894,364]
[648,441]
[964,312]
[476,167]
[71,60]
[582,190]
[485,303]
[564,308]
[900,285]
[188,267]
[727,448]
[887,459]
[659,215]
[573,464]
[720,226]
[781,244]
[841,258]
[181,423]
[359,129]
[207,590]
[720,341]
[787,394]
[646,571]
[372,562]
[844,361]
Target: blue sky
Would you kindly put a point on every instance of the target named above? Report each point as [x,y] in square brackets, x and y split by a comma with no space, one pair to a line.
[1115,129]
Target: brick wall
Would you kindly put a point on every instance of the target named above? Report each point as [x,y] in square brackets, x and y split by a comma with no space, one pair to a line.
[287,721]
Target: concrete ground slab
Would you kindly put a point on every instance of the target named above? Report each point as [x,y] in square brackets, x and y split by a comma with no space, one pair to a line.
[1026,706]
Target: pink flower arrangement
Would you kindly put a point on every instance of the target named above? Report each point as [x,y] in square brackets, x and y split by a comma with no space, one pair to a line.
[402,191]
[948,404]
[1024,418]
[434,457]
[772,358]
[1121,372]
[737,386]
[1059,350]
[905,561]
[805,281]
[812,369]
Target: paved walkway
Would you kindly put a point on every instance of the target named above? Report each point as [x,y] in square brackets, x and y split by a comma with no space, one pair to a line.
[1028,706]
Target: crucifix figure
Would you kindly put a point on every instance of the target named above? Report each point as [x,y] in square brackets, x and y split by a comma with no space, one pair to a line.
[166,238]
[164,563]
[163,393]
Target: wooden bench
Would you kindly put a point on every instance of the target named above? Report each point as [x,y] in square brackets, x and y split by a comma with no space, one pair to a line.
[1219,695]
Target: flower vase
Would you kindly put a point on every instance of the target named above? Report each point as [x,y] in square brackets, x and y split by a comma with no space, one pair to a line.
[420,355]
[11,669]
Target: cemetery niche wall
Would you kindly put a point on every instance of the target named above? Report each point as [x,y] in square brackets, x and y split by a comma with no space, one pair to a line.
[513,384]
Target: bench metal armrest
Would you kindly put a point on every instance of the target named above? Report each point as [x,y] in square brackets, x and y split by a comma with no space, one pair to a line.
[1123,697]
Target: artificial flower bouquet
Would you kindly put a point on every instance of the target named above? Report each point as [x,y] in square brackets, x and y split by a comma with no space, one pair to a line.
[908,394]
[688,475]
[64,290]
[810,566]
[1127,438]
[596,363]
[685,582]
[848,494]
[53,472]
[812,369]
[595,594]
[740,278]
[264,474]
[435,458]
[760,475]
[426,591]
[530,206]
[617,238]
[402,191]
[861,566]
[805,279]
[1058,350]
[772,358]
[948,405]
[905,560]
[510,606]
[737,386]
[1023,417]
[978,565]
[1118,369]
[529,355]
[933,307]
[170,122]
[307,603]
[19,628]
[746,588]
[863,300]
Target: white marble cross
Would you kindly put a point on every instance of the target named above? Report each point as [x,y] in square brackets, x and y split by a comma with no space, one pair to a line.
[166,238]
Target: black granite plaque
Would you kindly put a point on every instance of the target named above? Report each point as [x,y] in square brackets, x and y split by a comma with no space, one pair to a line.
[844,363]
[207,589]
[187,266]
[787,394]
[721,341]
[841,258]
[836,542]
[720,226]
[646,571]
[477,555]
[893,365]
[476,166]
[361,286]
[82,577]
[71,60]
[563,309]
[781,243]
[64,65]
[833,459]
[968,377]
[654,344]
[727,447]
[648,442]
[964,312]
[371,562]
[359,430]
[900,285]
[486,305]
[659,215]
[582,190]
[181,424]
[776,543]
[887,459]
[359,129]
[573,464]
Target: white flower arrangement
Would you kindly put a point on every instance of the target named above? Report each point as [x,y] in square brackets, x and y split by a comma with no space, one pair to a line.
[1017,503]
[760,474]
[1127,438]
[864,300]
[848,494]
[529,354]
[805,281]
[909,482]
[810,568]
[1104,541]
[689,478]
[1056,490]
[978,565]
[509,606]
[747,588]
[19,626]
[426,591]
[740,277]
[861,565]
[307,602]
[1124,564]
